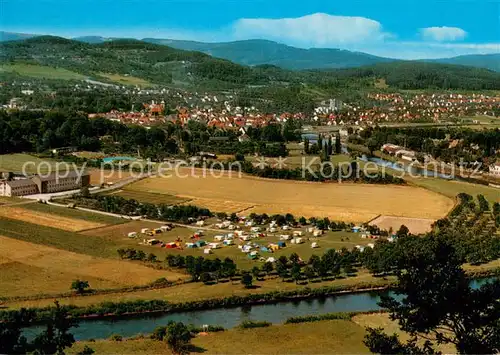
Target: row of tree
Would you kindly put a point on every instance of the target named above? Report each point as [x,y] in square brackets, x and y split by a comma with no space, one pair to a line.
[131,207]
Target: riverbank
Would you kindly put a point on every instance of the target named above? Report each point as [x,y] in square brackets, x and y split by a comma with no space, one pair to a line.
[336,336]
[339,336]
[197,291]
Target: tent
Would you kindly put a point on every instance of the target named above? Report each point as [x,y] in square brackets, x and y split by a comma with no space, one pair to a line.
[191,245]
[253,255]
[265,249]
[200,243]
[281,244]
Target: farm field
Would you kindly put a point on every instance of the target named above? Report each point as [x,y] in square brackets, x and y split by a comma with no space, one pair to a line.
[453,188]
[198,291]
[126,80]
[347,202]
[57,238]
[143,196]
[15,162]
[40,71]
[72,213]
[336,336]
[106,176]
[28,268]
[415,225]
[48,219]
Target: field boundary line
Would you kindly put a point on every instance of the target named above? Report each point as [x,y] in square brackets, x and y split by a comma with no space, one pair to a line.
[371,220]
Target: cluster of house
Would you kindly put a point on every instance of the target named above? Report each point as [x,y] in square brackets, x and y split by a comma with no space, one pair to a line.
[494,169]
[399,152]
[43,184]
[397,107]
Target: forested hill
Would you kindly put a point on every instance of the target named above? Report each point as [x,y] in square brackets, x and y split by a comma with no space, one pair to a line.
[165,65]
[258,52]
[155,63]
[423,75]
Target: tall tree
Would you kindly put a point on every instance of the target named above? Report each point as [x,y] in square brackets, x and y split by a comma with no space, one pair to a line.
[338,144]
[178,337]
[56,337]
[439,303]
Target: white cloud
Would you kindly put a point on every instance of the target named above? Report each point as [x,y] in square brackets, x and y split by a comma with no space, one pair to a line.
[312,30]
[316,30]
[442,34]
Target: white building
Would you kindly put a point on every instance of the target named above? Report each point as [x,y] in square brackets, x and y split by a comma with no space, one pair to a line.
[494,169]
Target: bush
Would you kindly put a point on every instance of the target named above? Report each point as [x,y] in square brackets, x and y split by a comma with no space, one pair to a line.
[327,316]
[248,324]
[116,337]
[159,333]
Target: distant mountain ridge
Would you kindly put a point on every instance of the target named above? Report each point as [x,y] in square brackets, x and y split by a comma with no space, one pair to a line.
[487,61]
[257,52]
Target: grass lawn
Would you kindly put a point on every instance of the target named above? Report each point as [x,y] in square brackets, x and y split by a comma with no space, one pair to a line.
[199,291]
[4,200]
[72,213]
[453,188]
[41,71]
[296,159]
[15,162]
[330,240]
[144,196]
[325,337]
[126,80]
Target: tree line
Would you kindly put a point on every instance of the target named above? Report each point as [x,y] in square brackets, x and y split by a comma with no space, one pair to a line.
[131,207]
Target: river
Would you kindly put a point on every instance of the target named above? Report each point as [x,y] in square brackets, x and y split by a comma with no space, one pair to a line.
[227,317]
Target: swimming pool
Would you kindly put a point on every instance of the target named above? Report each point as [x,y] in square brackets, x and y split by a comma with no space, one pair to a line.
[113,159]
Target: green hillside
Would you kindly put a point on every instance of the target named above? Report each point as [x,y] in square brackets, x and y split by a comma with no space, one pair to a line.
[150,63]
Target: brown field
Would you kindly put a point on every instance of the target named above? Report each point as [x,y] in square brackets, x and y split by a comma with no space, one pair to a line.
[218,205]
[142,196]
[348,202]
[415,225]
[104,176]
[28,268]
[46,219]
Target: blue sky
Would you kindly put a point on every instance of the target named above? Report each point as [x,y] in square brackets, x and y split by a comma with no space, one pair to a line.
[407,29]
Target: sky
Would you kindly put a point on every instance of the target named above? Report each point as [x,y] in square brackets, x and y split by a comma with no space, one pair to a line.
[406,29]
